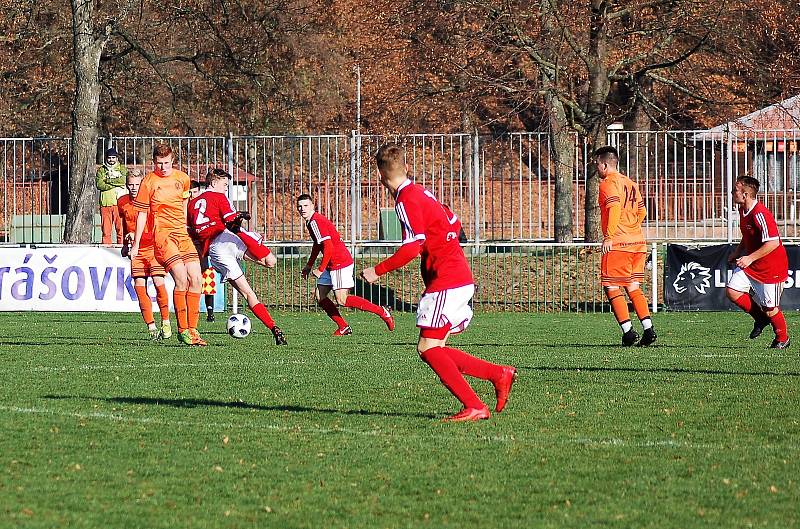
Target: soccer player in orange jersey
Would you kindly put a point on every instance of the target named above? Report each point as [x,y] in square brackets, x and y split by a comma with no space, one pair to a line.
[161,203]
[144,265]
[624,249]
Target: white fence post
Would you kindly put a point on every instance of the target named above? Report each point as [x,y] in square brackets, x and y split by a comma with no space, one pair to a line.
[654,277]
[231,165]
[476,186]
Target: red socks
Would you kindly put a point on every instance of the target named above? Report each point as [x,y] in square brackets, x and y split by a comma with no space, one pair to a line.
[779,326]
[262,314]
[357,302]
[333,313]
[449,373]
[254,246]
[747,304]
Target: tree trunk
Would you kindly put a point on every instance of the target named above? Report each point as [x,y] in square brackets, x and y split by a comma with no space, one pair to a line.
[562,152]
[87,48]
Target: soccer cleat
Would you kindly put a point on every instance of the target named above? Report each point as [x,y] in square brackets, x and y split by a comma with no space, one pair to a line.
[776,344]
[387,318]
[155,333]
[502,386]
[343,331]
[758,328]
[191,337]
[166,330]
[280,339]
[629,338]
[469,415]
[648,337]
[210,317]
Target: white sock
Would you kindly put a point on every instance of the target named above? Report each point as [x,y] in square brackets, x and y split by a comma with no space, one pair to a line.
[647,323]
[626,326]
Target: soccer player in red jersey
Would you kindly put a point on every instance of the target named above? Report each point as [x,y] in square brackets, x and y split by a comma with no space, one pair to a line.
[761,264]
[144,265]
[213,220]
[209,276]
[335,271]
[431,231]
[161,203]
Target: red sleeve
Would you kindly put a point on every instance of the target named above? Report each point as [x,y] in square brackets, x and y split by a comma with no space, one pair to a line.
[401,257]
[313,256]
[767,225]
[412,219]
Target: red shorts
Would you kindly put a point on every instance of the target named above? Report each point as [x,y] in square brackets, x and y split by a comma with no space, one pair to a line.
[620,269]
[145,264]
[173,246]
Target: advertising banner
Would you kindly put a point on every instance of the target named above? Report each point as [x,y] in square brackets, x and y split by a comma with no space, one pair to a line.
[695,278]
[72,279]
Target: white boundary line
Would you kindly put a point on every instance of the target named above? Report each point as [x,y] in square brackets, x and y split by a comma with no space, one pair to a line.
[585,441]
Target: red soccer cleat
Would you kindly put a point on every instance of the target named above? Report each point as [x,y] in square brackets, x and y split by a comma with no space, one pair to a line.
[343,331]
[469,414]
[502,386]
[387,318]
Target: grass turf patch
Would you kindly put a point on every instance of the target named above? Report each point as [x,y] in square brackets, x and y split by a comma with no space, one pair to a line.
[102,428]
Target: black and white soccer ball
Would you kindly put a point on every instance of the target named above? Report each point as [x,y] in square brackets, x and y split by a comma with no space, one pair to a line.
[238,325]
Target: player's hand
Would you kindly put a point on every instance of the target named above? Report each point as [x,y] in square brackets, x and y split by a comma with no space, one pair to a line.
[744,261]
[608,244]
[134,251]
[244,215]
[369,275]
[305,271]
[316,273]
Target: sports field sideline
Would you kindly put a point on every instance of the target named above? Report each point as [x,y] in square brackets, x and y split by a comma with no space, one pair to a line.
[101,428]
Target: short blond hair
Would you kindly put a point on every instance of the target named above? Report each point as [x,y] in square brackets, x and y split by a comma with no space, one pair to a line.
[134,173]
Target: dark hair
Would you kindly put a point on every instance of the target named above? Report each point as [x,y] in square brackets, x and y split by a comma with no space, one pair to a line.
[606,154]
[749,181]
[216,174]
[162,150]
[194,184]
[305,196]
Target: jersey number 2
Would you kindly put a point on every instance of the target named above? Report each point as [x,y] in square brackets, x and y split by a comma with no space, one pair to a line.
[200,208]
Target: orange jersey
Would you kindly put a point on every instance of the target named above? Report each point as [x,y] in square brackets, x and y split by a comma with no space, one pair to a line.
[128,214]
[164,197]
[625,230]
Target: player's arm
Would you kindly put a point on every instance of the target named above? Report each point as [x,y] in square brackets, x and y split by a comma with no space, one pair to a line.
[770,239]
[641,213]
[736,253]
[327,252]
[141,222]
[613,206]
[315,249]
[746,260]
[100,180]
[404,255]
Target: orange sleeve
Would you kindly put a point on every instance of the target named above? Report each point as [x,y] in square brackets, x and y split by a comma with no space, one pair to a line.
[614,213]
[145,194]
[642,211]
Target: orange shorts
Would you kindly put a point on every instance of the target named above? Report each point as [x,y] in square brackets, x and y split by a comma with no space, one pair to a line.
[620,269]
[173,246]
[145,264]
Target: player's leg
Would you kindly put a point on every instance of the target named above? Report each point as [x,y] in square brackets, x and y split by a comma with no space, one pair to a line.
[615,273]
[145,305]
[162,297]
[259,310]
[179,295]
[193,295]
[257,251]
[738,291]
[324,287]
[638,300]
[435,316]
[342,281]
[769,296]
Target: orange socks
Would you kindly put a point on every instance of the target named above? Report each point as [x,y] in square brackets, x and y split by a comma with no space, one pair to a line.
[163,301]
[639,303]
[145,303]
[181,314]
[193,308]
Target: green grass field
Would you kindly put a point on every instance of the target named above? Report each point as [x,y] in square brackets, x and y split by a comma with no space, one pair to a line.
[101,428]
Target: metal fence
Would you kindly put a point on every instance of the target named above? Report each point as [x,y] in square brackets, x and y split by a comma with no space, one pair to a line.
[503,189]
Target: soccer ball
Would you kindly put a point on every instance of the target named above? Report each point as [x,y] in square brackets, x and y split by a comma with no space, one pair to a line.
[238,325]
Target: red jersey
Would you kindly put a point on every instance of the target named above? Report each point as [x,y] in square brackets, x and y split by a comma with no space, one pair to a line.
[207,214]
[335,255]
[758,226]
[424,219]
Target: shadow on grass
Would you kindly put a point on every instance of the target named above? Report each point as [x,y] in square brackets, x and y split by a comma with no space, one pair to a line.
[194,403]
[664,370]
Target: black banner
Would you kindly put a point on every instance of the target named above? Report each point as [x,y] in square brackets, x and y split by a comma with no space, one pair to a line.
[695,278]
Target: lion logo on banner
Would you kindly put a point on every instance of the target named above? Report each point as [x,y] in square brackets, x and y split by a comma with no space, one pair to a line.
[692,275]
